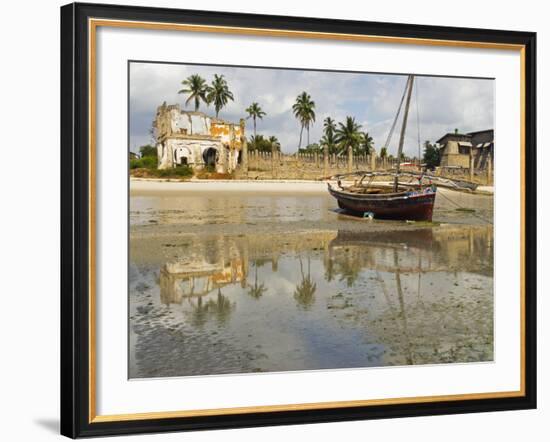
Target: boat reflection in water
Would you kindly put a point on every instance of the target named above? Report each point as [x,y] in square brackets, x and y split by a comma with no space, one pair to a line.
[320,300]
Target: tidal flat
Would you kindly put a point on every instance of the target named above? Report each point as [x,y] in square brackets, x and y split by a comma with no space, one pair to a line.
[231,281]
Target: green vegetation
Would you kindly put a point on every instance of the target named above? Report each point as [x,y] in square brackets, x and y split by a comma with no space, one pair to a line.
[176,172]
[344,138]
[366,144]
[348,135]
[262,144]
[312,148]
[432,155]
[218,93]
[148,158]
[148,151]
[304,111]
[146,166]
[384,152]
[144,163]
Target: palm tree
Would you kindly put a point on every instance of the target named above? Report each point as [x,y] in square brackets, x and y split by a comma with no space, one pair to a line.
[197,89]
[257,142]
[366,144]
[255,111]
[348,135]
[218,93]
[274,142]
[384,152]
[304,294]
[329,129]
[304,111]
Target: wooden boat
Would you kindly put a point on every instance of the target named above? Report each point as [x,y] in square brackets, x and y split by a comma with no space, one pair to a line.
[384,203]
[414,203]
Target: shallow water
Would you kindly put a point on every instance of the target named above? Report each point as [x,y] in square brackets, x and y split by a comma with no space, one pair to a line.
[244,283]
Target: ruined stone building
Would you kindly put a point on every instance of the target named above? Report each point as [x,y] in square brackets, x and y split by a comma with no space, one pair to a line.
[456,149]
[196,140]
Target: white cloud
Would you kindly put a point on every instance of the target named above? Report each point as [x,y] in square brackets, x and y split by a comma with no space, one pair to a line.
[444,103]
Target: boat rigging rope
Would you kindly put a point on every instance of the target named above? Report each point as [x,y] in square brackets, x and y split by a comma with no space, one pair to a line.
[418,121]
[388,140]
[460,207]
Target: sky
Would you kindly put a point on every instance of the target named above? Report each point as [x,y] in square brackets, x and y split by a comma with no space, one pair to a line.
[439,104]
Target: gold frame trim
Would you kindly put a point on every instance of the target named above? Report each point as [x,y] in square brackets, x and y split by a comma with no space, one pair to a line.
[93,24]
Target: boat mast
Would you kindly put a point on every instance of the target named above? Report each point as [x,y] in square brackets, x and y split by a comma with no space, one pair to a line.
[410,82]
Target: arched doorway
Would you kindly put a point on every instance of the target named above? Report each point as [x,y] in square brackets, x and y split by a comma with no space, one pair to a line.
[209,157]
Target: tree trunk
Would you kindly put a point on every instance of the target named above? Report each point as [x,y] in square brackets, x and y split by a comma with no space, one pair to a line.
[325,160]
[244,152]
[301,131]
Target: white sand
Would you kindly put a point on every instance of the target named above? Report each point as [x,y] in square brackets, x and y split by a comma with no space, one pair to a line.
[141,186]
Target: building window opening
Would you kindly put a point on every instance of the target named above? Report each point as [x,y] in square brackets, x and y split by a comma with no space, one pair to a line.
[209,157]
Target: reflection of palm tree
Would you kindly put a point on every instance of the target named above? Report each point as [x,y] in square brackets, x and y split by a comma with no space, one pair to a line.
[349,271]
[256,291]
[220,308]
[200,311]
[304,294]
[329,270]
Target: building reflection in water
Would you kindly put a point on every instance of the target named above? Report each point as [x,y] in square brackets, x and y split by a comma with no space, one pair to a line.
[419,313]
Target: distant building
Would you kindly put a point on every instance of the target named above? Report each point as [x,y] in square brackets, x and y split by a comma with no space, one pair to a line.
[196,140]
[455,149]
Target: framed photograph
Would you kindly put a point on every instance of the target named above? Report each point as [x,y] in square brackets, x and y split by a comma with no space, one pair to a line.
[273,220]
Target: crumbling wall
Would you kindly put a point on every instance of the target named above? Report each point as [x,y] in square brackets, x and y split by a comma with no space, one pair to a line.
[183,138]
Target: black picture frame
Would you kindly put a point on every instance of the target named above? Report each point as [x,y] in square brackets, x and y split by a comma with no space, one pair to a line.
[75,220]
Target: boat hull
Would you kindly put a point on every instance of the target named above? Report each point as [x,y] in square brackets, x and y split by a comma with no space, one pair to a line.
[405,207]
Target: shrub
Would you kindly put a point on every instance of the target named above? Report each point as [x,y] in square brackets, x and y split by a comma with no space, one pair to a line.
[144,163]
[148,151]
[179,171]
